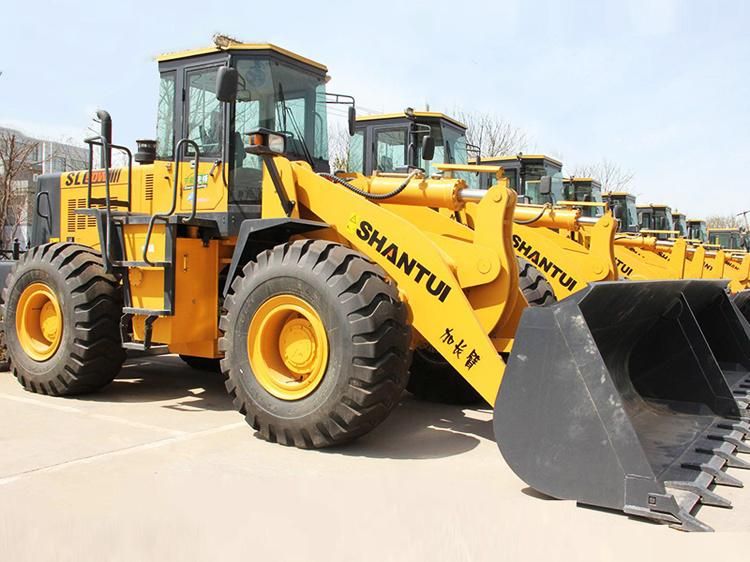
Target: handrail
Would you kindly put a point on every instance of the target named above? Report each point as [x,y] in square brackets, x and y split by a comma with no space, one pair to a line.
[173,208]
[106,148]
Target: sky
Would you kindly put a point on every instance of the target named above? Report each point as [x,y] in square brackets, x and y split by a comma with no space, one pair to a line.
[659,87]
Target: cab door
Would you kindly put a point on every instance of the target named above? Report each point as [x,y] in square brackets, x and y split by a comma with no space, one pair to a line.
[204,122]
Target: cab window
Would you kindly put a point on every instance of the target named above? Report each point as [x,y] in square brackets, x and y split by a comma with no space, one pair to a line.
[355,157]
[165,117]
[390,149]
[205,123]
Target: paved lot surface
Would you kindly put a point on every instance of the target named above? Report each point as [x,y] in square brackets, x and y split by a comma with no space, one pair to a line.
[159,466]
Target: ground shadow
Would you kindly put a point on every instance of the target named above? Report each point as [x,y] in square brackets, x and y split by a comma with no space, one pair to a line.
[166,379]
[422,430]
[414,430]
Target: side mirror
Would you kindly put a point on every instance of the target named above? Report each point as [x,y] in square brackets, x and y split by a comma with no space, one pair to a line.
[352,120]
[545,185]
[226,84]
[428,147]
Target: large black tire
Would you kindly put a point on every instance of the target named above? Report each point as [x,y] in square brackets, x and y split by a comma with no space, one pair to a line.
[89,355]
[202,363]
[534,285]
[367,334]
[433,379]
[3,349]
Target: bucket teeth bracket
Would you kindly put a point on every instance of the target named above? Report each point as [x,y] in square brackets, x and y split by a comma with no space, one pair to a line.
[732,460]
[690,523]
[741,446]
[707,497]
[721,477]
[742,427]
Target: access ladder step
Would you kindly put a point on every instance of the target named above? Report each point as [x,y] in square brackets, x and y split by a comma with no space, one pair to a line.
[123,263]
[140,346]
[146,311]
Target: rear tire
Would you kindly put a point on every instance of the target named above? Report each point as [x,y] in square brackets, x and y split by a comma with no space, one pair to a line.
[362,328]
[202,363]
[82,351]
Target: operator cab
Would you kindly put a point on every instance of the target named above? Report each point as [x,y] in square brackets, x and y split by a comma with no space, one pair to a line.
[396,142]
[536,178]
[276,90]
[697,230]
[585,190]
[727,238]
[624,209]
[679,220]
[656,220]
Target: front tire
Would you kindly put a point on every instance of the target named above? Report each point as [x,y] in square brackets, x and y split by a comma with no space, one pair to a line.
[61,321]
[316,345]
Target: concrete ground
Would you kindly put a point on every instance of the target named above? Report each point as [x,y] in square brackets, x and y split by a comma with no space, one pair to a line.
[159,466]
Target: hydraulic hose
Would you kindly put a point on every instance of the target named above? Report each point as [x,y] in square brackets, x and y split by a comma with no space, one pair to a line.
[366,194]
[545,207]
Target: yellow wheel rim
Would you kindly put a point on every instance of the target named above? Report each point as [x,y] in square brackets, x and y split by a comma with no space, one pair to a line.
[288,347]
[39,322]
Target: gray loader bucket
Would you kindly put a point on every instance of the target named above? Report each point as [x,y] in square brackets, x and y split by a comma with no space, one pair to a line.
[612,397]
[742,300]
[727,333]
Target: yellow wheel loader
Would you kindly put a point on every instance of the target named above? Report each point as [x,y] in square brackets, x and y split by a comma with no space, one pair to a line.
[230,240]
[559,251]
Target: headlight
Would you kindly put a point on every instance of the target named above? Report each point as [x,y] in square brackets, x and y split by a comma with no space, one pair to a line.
[276,143]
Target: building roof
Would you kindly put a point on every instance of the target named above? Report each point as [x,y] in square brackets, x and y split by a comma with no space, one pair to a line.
[241,47]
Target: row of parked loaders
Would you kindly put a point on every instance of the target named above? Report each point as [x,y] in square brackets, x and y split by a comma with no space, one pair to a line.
[322,295]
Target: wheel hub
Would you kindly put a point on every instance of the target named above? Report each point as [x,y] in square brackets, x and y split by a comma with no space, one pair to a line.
[39,321]
[298,346]
[287,347]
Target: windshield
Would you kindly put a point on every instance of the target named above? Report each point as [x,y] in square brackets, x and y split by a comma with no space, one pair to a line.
[727,240]
[285,99]
[631,215]
[656,219]
[532,190]
[697,231]
[452,150]
[584,192]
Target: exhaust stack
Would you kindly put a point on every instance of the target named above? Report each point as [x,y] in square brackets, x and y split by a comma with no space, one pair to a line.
[105,120]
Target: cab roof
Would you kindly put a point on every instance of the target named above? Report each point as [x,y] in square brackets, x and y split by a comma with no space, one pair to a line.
[418,114]
[619,194]
[241,47]
[522,156]
[653,206]
[735,229]
[574,179]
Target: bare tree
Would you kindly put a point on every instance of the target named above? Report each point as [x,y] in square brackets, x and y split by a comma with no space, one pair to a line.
[610,175]
[16,157]
[724,221]
[492,134]
[338,145]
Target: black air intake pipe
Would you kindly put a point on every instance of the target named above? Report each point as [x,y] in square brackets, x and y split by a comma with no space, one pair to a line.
[106,131]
